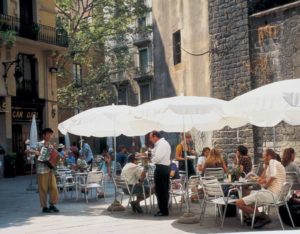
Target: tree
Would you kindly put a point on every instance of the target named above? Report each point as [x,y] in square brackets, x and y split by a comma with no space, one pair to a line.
[99,38]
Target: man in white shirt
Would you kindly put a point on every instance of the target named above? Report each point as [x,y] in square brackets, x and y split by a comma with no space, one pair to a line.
[135,175]
[161,157]
[272,181]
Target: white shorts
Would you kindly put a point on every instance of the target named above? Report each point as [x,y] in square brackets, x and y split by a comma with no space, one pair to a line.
[262,197]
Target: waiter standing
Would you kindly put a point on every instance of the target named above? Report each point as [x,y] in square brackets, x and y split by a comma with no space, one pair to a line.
[161,157]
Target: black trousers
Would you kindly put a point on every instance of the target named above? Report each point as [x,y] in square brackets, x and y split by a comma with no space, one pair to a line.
[162,184]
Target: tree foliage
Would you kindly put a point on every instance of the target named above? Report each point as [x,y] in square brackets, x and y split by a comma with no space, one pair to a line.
[99,33]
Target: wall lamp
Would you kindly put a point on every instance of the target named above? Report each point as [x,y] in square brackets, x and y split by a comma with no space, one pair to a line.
[53,69]
[18,73]
[53,110]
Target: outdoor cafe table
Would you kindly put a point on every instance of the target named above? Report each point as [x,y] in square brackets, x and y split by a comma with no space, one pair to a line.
[239,185]
[80,177]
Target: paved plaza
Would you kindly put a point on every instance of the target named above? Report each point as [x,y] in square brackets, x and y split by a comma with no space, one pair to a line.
[20,213]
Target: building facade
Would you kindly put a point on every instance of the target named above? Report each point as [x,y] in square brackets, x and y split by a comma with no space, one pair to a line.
[30,47]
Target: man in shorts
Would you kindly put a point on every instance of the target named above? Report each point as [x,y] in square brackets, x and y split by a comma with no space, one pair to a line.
[271,180]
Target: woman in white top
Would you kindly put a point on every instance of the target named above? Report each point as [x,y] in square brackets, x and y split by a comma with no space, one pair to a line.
[202,159]
[288,161]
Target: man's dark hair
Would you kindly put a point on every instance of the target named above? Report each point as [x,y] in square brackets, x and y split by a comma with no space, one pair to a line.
[271,153]
[47,130]
[243,150]
[156,134]
[131,158]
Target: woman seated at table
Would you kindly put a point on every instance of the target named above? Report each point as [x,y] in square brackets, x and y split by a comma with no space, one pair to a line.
[107,166]
[214,160]
[243,160]
[202,159]
[185,149]
[70,160]
[288,159]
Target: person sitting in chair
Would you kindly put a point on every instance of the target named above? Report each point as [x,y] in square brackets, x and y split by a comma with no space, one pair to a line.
[135,175]
[271,181]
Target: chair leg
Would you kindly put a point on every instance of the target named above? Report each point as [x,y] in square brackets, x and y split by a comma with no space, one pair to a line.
[254,213]
[291,218]
[203,210]
[222,214]
[279,217]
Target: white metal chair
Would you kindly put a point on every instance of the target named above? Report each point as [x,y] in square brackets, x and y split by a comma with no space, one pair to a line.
[213,194]
[293,178]
[216,172]
[65,183]
[282,199]
[94,180]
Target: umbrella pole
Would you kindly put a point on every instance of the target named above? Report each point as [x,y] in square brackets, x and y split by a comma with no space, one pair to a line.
[116,205]
[31,187]
[274,138]
[188,217]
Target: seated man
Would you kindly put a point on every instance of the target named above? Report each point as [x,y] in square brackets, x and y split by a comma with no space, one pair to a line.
[81,164]
[272,181]
[135,176]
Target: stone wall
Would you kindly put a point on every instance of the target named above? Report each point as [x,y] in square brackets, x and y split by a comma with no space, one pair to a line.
[229,64]
[248,51]
[274,48]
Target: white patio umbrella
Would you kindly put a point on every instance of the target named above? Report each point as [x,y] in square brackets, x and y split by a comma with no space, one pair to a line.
[107,121]
[270,104]
[182,113]
[33,140]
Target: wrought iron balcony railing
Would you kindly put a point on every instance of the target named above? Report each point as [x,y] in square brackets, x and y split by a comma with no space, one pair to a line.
[144,71]
[34,31]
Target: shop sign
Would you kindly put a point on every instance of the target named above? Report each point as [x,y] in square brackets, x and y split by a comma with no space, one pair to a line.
[2,105]
[25,114]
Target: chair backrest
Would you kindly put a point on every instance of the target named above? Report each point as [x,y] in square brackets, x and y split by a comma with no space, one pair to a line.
[216,172]
[285,192]
[194,182]
[211,187]
[120,183]
[95,177]
[292,177]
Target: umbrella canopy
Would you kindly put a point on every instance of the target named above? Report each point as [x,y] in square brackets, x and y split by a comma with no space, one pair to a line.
[182,113]
[107,121]
[268,105]
[33,137]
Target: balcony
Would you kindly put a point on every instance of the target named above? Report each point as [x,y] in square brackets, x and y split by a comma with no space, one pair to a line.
[117,77]
[34,31]
[142,38]
[144,73]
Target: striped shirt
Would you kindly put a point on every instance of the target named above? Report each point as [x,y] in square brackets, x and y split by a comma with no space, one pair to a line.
[277,171]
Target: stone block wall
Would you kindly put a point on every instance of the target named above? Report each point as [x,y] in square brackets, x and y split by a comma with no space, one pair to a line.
[229,64]
[248,51]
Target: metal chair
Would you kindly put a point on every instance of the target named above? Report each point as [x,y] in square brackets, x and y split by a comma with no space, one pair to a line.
[94,180]
[216,172]
[282,199]
[293,178]
[213,194]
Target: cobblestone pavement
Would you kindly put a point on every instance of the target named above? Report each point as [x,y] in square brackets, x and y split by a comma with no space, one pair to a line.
[20,213]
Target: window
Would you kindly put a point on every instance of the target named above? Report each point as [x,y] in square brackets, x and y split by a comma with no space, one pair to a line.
[145,92]
[143,60]
[27,86]
[177,47]
[1,7]
[77,74]
[142,22]
[122,95]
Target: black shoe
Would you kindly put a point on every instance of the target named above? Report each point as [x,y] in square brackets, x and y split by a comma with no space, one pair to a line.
[46,210]
[138,208]
[133,207]
[53,208]
[262,222]
[248,221]
[159,214]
